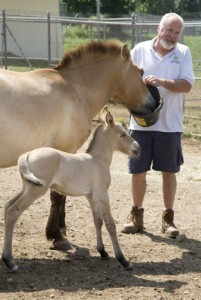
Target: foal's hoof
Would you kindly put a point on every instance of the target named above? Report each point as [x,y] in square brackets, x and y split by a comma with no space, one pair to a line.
[128,267]
[10,264]
[61,245]
[15,269]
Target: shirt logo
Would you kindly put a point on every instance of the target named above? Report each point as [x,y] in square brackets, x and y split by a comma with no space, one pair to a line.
[175,60]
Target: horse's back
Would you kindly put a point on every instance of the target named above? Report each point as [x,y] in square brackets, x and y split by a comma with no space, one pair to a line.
[34,83]
[37,109]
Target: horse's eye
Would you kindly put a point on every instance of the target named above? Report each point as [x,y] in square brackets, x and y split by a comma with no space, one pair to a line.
[123,135]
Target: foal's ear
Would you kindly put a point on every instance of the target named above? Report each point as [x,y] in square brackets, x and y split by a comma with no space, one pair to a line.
[107,117]
[125,53]
[125,126]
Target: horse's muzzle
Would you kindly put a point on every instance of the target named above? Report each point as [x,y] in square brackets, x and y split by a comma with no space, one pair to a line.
[151,116]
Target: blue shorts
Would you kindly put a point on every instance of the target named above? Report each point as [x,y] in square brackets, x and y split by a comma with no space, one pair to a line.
[160,150]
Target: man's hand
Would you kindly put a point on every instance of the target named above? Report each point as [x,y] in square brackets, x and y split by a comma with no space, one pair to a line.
[175,86]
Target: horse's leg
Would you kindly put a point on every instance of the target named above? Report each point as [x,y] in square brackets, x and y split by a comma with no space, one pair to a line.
[98,221]
[56,228]
[62,215]
[105,212]
[13,210]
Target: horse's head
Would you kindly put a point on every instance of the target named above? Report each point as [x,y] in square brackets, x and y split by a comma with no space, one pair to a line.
[131,90]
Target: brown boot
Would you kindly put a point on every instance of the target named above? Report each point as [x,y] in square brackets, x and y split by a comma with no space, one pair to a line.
[135,221]
[168,226]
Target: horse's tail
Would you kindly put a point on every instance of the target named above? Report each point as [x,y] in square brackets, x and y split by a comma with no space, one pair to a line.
[26,172]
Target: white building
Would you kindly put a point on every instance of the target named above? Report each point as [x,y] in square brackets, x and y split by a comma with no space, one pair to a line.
[30,39]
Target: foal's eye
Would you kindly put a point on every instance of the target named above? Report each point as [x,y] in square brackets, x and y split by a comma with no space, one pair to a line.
[123,135]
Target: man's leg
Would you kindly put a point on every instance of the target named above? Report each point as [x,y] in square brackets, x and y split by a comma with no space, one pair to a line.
[138,190]
[169,192]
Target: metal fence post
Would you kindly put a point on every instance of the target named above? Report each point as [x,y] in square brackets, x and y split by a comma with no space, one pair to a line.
[49,38]
[98,16]
[133,30]
[4,40]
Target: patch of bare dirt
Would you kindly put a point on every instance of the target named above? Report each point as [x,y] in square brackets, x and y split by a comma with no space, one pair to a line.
[162,268]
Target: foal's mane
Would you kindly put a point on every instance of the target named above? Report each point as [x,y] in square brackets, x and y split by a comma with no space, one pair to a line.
[93,138]
[90,52]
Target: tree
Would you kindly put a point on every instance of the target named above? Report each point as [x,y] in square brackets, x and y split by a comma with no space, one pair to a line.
[126,7]
[156,7]
[81,6]
[115,7]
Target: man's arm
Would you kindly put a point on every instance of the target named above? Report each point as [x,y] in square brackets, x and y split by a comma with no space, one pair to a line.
[173,85]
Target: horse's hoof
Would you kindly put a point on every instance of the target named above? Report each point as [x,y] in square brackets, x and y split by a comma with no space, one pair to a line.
[104,254]
[61,245]
[106,257]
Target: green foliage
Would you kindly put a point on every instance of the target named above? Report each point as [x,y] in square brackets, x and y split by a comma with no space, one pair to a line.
[114,7]
[74,36]
[81,6]
[75,31]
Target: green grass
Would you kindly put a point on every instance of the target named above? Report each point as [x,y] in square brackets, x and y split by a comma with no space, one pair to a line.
[81,34]
[74,36]
[70,44]
[194,44]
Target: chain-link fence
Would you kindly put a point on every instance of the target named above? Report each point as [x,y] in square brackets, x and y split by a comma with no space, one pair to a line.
[41,40]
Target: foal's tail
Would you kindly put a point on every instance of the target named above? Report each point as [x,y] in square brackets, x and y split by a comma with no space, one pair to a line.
[26,172]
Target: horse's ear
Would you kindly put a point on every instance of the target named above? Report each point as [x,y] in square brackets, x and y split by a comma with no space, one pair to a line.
[125,53]
[107,117]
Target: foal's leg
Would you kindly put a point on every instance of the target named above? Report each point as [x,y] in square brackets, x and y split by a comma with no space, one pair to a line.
[98,221]
[56,227]
[13,210]
[104,209]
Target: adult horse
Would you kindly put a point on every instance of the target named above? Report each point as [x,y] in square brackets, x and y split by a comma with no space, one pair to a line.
[54,107]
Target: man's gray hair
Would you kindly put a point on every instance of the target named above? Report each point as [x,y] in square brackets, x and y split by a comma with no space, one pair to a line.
[172,16]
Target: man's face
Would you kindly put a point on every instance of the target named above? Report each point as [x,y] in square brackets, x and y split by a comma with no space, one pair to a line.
[169,33]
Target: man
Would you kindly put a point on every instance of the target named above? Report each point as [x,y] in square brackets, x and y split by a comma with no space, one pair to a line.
[167,65]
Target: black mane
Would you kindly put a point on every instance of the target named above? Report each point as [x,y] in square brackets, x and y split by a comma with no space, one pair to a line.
[93,138]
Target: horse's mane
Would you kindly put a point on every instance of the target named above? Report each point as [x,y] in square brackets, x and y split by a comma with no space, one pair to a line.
[93,138]
[90,52]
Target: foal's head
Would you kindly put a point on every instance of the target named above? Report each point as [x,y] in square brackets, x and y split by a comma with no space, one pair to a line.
[109,135]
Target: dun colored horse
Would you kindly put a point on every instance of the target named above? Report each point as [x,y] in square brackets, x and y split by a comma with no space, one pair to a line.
[54,107]
[82,174]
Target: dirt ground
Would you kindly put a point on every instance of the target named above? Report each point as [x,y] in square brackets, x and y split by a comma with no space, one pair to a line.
[162,268]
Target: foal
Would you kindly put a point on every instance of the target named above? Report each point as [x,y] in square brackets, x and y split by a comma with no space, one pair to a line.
[82,174]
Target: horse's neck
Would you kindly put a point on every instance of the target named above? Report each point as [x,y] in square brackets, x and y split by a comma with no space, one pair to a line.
[100,79]
[102,150]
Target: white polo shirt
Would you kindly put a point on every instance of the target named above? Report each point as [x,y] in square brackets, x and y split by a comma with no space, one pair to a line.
[177,64]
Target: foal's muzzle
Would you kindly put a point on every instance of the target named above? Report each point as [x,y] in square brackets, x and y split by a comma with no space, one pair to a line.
[136,149]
